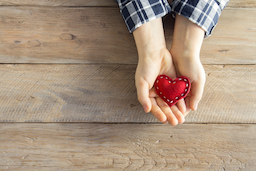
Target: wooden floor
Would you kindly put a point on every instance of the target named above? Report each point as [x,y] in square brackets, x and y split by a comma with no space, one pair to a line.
[68,100]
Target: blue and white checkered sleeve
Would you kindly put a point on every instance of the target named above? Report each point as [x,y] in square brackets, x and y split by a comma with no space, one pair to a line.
[205,13]
[137,12]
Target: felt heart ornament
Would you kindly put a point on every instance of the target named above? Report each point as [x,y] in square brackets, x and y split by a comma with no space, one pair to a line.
[171,91]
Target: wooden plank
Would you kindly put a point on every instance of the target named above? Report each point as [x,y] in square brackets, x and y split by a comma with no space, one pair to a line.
[59,3]
[229,95]
[106,93]
[86,35]
[109,3]
[64,35]
[243,4]
[233,39]
[127,147]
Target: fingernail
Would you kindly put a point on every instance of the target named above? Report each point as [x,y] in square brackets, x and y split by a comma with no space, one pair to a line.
[145,109]
[166,122]
[195,107]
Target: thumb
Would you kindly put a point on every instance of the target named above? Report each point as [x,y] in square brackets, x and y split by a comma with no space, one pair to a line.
[197,89]
[143,95]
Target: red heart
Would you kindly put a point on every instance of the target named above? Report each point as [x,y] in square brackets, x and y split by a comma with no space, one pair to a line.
[171,91]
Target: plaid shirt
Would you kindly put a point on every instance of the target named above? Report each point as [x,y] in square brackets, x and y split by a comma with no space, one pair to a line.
[205,13]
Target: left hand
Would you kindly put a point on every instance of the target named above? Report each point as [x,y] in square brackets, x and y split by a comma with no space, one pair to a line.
[154,60]
[147,71]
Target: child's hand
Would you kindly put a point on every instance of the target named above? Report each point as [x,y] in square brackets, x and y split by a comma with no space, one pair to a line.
[154,60]
[192,68]
[185,50]
[147,70]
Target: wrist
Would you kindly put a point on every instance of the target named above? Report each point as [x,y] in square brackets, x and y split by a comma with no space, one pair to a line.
[149,38]
[187,38]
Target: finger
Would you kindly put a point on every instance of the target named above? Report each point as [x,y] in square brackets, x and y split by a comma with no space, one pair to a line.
[197,89]
[167,111]
[152,93]
[178,114]
[187,101]
[143,95]
[157,112]
[181,106]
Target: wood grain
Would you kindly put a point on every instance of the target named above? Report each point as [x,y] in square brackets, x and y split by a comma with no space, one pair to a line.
[109,3]
[59,3]
[242,4]
[86,35]
[64,35]
[231,41]
[127,147]
[106,93]
[88,76]
[229,95]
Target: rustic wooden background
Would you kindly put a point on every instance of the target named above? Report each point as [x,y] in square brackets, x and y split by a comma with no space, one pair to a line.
[70,61]
[67,79]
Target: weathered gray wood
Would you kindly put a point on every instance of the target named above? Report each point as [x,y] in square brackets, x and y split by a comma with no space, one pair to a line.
[110,3]
[231,41]
[99,35]
[229,95]
[242,4]
[127,147]
[106,93]
[68,93]
[64,35]
[60,3]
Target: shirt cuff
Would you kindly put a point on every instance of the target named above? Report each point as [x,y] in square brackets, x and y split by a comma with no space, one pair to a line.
[137,12]
[204,13]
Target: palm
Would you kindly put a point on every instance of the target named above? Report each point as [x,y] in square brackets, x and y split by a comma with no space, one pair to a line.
[146,74]
[194,70]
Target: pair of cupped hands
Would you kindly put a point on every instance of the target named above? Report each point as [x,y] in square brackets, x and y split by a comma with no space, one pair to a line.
[183,59]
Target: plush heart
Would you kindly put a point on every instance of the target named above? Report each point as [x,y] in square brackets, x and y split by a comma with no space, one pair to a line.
[171,91]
